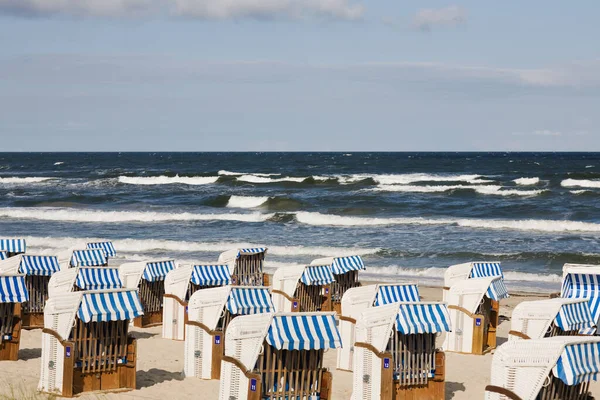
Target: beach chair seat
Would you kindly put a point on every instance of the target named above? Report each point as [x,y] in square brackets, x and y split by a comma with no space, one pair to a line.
[246,266]
[303,288]
[179,285]
[345,272]
[13,292]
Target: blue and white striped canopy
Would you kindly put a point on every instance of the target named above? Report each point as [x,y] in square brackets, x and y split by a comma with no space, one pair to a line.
[98,278]
[416,318]
[244,301]
[251,251]
[88,258]
[483,269]
[12,245]
[387,294]
[108,248]
[315,275]
[110,306]
[584,286]
[341,265]
[13,289]
[211,275]
[156,271]
[578,363]
[304,332]
[574,317]
[39,265]
[497,290]
[3,255]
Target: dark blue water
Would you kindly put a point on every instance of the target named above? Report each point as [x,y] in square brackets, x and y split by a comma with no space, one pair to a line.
[408,214]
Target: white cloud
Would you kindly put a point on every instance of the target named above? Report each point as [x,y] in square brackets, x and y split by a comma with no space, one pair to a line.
[428,18]
[204,9]
[550,133]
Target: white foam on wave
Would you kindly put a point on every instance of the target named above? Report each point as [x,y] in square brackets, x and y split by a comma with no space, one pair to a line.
[59,163]
[18,179]
[262,179]
[231,173]
[315,218]
[527,181]
[246,201]
[582,191]
[73,215]
[149,245]
[168,180]
[580,183]
[481,189]
[405,179]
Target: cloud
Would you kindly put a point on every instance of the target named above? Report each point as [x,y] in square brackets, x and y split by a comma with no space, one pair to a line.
[429,18]
[202,9]
[550,133]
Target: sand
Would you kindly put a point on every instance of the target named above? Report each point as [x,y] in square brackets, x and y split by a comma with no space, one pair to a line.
[160,363]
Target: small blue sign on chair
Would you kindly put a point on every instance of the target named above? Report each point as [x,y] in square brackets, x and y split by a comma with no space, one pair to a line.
[478,322]
[68,351]
[253,385]
[326,290]
[217,339]
[386,363]
[295,305]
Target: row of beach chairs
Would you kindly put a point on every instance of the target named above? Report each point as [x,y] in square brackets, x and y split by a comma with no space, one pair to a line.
[269,342]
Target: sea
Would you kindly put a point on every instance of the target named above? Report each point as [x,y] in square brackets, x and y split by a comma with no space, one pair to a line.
[408,215]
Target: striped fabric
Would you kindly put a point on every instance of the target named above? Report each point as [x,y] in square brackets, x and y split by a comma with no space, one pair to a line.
[211,275]
[481,270]
[315,275]
[88,258]
[341,265]
[13,289]
[156,271]
[250,251]
[575,316]
[108,248]
[416,318]
[3,255]
[39,265]
[387,294]
[244,301]
[98,278]
[12,245]
[497,290]
[304,332]
[578,363]
[584,286]
[110,306]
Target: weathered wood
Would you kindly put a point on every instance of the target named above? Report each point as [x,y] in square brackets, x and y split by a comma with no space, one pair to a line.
[248,270]
[10,329]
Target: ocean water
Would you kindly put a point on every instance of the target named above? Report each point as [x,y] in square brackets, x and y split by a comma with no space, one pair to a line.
[409,215]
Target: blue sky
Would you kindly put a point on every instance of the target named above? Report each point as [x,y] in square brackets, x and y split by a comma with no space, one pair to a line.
[299,75]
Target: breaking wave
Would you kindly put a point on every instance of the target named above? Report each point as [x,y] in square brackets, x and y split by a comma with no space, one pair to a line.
[17,179]
[527,181]
[580,183]
[481,189]
[168,180]
[246,201]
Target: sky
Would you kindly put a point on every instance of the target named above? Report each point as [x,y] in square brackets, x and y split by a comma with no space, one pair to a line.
[299,75]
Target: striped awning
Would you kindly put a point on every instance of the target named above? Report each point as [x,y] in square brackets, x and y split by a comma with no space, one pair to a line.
[244,301]
[88,258]
[574,316]
[497,290]
[416,318]
[211,275]
[39,265]
[12,245]
[13,289]
[3,255]
[387,294]
[108,248]
[584,286]
[98,278]
[315,275]
[110,306]
[156,271]
[304,332]
[578,363]
[251,251]
[341,265]
[483,269]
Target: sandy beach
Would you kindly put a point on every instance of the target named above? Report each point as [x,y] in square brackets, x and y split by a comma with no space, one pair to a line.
[161,361]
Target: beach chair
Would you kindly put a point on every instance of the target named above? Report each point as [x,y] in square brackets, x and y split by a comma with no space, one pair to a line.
[88,258]
[12,247]
[108,247]
[303,288]
[395,354]
[583,282]
[149,278]
[278,356]
[474,269]
[345,272]
[553,317]
[13,292]
[180,284]
[210,312]
[85,342]
[37,271]
[84,278]
[474,306]
[358,299]
[559,367]
[246,266]
[3,255]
